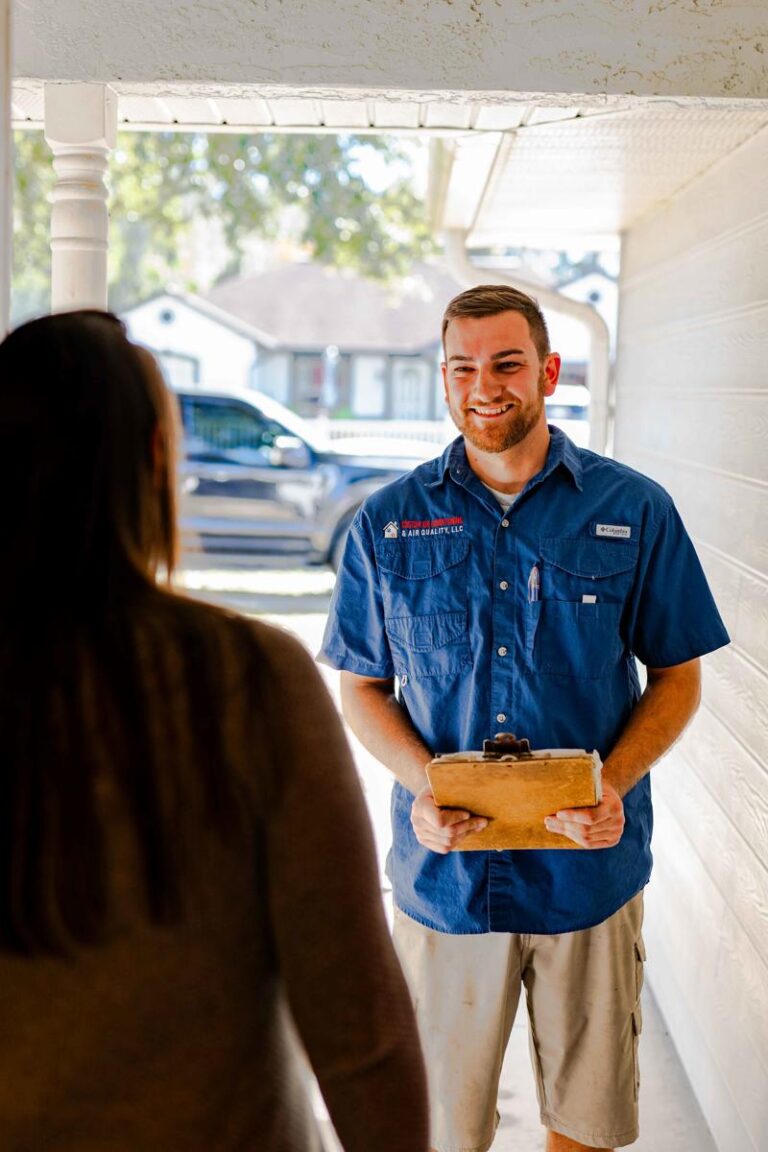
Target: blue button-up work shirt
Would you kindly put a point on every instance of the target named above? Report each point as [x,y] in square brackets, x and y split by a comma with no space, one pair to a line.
[438,589]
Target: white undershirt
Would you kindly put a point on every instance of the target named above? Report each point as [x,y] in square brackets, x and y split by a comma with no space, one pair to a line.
[505,499]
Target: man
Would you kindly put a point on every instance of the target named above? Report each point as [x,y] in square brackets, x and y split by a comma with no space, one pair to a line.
[509,585]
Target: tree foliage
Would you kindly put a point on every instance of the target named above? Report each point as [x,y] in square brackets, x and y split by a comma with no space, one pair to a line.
[310,189]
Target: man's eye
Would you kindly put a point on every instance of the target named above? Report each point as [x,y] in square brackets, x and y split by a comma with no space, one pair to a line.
[462,370]
[509,365]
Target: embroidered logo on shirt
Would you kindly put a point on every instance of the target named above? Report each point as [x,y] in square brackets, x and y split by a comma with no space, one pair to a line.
[447,526]
[391,530]
[618,531]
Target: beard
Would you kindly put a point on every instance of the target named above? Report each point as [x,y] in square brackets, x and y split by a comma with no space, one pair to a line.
[505,431]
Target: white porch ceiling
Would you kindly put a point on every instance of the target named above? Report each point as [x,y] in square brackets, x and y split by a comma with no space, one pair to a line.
[571,177]
[520,171]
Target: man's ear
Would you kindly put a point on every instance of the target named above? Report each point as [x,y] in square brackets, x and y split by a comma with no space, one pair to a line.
[551,372]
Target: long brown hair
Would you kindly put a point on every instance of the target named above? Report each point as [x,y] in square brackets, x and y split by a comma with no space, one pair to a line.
[82,411]
[99,666]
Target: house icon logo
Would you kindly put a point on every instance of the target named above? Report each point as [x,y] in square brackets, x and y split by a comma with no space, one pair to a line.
[391,530]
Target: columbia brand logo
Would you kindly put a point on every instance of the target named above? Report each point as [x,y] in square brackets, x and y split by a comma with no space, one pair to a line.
[391,530]
[620,531]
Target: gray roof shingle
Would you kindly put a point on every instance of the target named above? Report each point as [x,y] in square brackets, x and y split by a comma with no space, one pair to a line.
[307,306]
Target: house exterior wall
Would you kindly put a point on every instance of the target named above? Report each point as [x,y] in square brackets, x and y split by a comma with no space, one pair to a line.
[692,411]
[168,325]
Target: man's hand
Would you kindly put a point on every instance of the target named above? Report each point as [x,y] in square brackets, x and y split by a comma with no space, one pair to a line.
[441,829]
[599,827]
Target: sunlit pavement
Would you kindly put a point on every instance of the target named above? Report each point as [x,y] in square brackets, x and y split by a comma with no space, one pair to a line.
[297,599]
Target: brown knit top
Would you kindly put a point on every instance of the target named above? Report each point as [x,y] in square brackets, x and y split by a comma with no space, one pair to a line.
[181,1038]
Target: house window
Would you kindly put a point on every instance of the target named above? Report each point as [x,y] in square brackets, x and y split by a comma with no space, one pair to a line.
[308,375]
[368,393]
[411,392]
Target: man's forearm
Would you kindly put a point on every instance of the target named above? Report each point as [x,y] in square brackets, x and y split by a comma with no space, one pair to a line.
[381,726]
[669,702]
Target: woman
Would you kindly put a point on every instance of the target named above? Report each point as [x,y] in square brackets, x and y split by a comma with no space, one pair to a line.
[184,850]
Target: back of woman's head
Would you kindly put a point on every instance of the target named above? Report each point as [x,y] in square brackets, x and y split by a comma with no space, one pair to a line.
[86,463]
[103,676]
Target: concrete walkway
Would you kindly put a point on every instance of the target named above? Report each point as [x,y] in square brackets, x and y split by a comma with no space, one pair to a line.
[670,1118]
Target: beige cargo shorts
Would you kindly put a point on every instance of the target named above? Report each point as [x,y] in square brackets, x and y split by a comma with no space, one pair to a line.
[583,998]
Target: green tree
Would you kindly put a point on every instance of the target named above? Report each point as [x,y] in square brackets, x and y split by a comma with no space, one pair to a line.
[31,269]
[313,188]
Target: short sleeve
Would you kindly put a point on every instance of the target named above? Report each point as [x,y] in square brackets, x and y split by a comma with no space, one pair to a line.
[673,616]
[355,639]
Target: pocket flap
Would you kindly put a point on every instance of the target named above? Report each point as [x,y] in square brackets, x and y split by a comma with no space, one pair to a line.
[425,633]
[418,558]
[589,558]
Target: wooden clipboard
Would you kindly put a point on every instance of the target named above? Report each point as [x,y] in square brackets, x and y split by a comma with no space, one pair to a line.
[516,788]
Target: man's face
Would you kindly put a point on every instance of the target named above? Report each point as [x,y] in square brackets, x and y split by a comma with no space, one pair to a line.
[495,383]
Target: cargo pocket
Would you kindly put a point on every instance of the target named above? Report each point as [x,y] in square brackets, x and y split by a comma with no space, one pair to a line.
[424,592]
[567,635]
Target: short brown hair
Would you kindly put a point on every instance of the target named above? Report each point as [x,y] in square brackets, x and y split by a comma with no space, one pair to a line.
[492,299]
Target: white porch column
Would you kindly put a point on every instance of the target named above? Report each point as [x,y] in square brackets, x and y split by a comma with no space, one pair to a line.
[6,174]
[81,129]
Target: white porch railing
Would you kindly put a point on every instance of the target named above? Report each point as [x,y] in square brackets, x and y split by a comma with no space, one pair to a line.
[436,431]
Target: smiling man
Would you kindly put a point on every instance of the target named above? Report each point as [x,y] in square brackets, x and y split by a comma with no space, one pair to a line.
[512,584]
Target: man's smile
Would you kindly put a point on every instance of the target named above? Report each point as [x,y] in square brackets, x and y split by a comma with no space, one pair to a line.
[487,410]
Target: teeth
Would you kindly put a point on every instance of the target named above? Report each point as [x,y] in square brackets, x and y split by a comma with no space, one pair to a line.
[492,411]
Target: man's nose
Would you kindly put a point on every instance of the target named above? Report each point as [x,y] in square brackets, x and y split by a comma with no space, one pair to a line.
[487,386]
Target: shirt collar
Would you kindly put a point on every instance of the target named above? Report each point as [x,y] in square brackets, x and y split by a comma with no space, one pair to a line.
[453,460]
[561,451]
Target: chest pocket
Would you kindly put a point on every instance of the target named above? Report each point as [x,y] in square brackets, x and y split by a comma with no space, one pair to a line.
[566,636]
[424,592]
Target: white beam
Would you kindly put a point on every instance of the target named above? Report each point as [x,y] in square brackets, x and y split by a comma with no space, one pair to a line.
[6,170]
[81,129]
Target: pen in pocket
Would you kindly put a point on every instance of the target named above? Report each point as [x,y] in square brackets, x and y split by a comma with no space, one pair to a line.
[533,585]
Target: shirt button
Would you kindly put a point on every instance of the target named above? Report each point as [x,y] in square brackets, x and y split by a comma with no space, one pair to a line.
[502,651]
[505,523]
[501,717]
[504,585]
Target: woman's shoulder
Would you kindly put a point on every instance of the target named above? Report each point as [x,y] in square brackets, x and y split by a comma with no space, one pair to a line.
[195,618]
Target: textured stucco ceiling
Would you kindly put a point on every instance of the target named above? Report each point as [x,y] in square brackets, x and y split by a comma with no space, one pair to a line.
[699,48]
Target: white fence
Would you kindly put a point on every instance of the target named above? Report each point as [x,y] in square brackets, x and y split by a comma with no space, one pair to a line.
[438,432]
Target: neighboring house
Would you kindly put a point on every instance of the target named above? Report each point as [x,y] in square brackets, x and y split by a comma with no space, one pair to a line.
[318,340]
[196,342]
[321,341]
[345,345]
